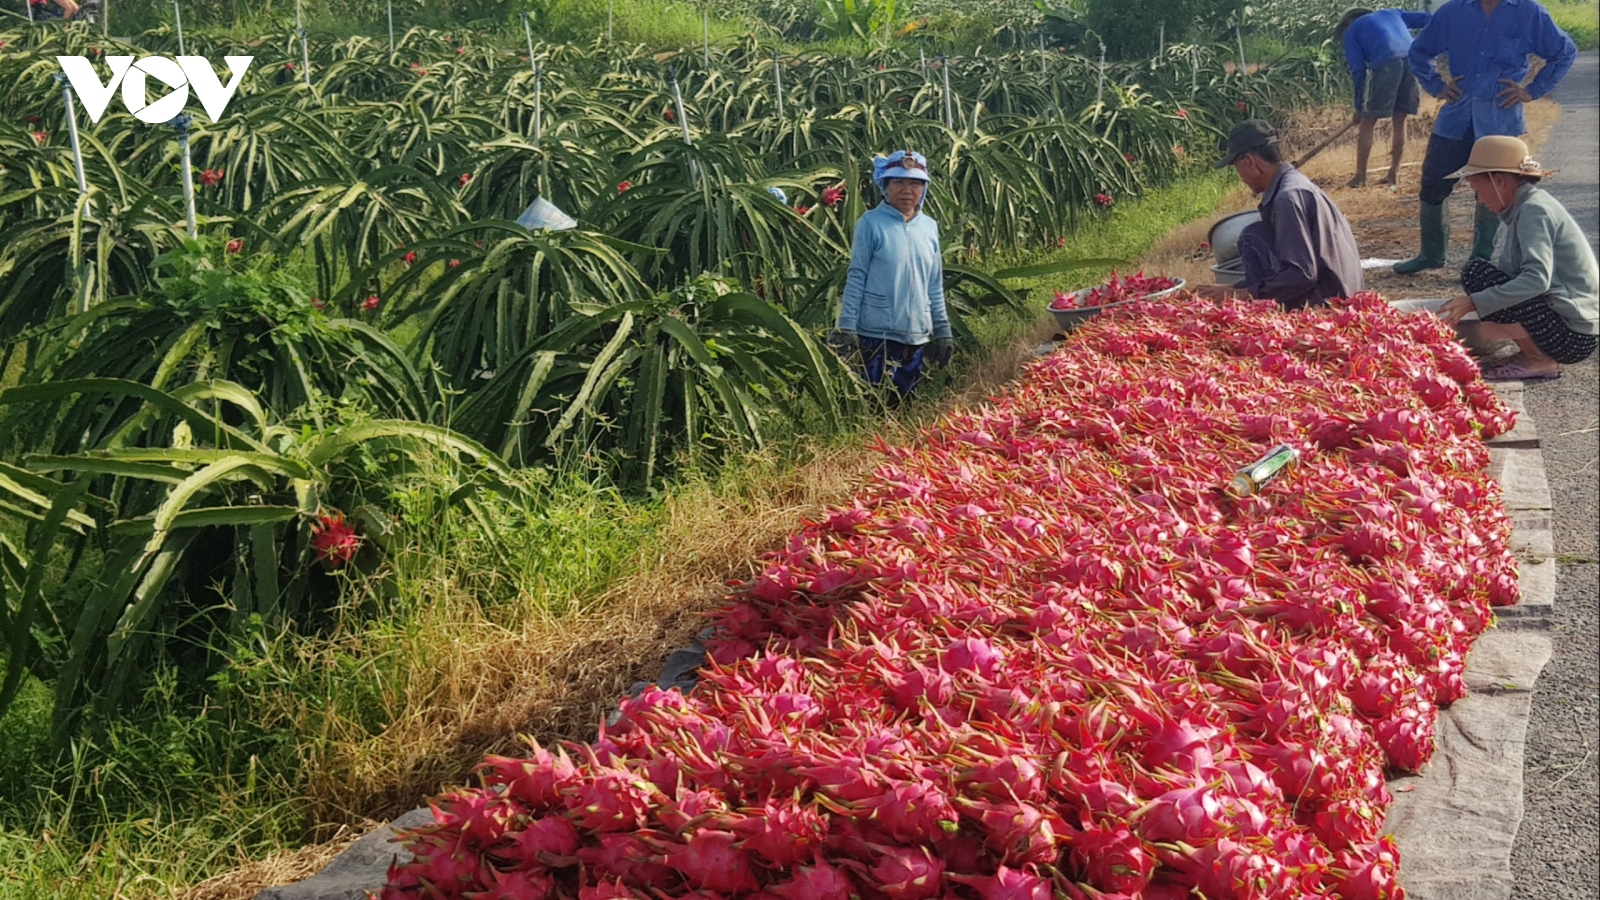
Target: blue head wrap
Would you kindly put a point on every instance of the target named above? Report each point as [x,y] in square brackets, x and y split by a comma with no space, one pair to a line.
[778,194]
[895,166]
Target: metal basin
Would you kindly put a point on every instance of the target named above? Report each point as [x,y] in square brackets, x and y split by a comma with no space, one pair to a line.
[1229,272]
[1224,235]
[1069,318]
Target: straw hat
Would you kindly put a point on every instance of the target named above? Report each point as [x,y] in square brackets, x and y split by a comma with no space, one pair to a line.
[1501,153]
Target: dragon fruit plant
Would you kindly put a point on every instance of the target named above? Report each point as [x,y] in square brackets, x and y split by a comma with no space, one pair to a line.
[1043,655]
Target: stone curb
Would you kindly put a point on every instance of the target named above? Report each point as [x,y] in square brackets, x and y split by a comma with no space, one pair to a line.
[1457,821]
[1517,463]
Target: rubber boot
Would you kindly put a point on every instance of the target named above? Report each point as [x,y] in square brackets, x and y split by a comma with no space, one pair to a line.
[1485,225]
[1435,238]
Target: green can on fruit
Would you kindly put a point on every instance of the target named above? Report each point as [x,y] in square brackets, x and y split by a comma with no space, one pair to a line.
[1252,478]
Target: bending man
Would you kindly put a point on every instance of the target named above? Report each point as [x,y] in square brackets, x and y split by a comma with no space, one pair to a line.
[1377,44]
[1302,252]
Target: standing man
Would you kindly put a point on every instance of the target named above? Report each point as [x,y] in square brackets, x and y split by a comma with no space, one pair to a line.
[893,313]
[1488,42]
[1377,44]
[1302,252]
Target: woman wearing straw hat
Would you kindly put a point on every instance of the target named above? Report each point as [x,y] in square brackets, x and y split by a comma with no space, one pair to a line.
[893,312]
[1543,292]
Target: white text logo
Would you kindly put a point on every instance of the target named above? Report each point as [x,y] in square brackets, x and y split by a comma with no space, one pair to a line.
[181,74]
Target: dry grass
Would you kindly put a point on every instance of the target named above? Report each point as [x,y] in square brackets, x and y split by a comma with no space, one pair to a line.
[1181,254]
[244,882]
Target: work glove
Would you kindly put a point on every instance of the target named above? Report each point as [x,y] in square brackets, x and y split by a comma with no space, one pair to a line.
[843,342]
[940,351]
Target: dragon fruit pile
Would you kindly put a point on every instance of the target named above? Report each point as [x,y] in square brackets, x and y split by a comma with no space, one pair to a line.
[1042,655]
[1115,290]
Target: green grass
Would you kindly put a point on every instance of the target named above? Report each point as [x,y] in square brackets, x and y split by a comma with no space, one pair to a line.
[1127,230]
[656,23]
[1581,20]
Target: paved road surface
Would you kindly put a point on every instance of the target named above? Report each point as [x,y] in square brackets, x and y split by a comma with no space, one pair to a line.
[1557,851]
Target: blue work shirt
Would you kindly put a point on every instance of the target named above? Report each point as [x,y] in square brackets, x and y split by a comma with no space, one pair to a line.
[1376,38]
[895,286]
[1484,50]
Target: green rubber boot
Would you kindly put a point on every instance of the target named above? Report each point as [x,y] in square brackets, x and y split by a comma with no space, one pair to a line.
[1485,225]
[1435,237]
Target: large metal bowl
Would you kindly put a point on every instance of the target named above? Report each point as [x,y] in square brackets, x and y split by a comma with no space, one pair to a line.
[1069,318]
[1224,235]
[1229,272]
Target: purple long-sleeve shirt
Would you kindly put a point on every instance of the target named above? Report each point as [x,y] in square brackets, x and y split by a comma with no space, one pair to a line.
[1312,239]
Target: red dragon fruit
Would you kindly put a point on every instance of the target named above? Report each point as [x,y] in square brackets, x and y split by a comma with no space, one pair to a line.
[710,858]
[815,882]
[1041,642]
[1008,884]
[1112,858]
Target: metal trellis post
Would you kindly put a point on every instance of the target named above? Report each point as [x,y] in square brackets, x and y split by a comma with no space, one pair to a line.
[922,59]
[949,111]
[538,83]
[305,53]
[177,21]
[1161,46]
[705,24]
[1239,36]
[777,80]
[677,101]
[182,123]
[1044,61]
[390,5]
[610,14]
[1100,79]
[29,6]
[72,132]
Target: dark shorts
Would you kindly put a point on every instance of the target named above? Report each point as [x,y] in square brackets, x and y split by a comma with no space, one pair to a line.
[1392,89]
[1544,325]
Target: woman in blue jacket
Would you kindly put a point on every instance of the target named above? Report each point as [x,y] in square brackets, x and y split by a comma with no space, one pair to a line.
[893,313]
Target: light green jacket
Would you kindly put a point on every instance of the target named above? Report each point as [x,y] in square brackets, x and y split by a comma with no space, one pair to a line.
[1548,255]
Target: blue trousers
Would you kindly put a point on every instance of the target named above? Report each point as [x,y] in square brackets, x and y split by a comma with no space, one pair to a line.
[902,361]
